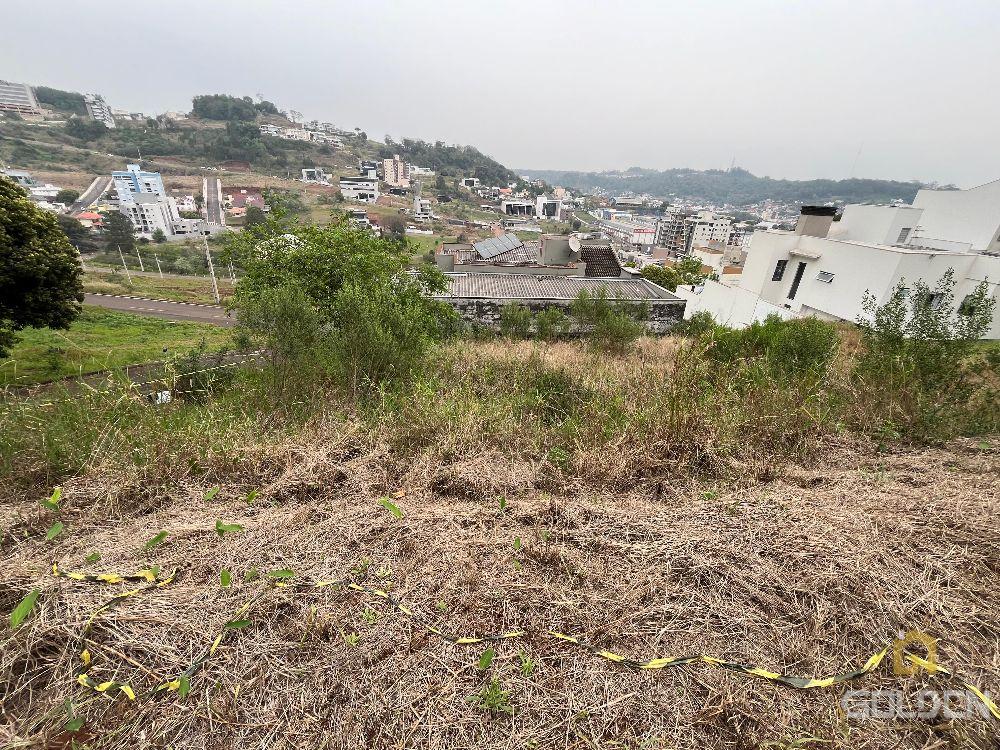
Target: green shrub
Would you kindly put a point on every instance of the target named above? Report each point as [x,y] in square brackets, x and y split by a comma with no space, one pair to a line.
[551,323]
[515,321]
[797,347]
[917,368]
[612,327]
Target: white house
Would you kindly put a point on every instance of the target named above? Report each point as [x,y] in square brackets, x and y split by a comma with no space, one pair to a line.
[824,268]
[364,189]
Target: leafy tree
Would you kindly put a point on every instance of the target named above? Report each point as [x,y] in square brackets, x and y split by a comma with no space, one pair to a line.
[118,233]
[668,278]
[40,274]
[379,318]
[67,196]
[254,217]
[395,227]
[78,235]
[266,108]
[158,236]
[223,107]
[85,130]
[613,327]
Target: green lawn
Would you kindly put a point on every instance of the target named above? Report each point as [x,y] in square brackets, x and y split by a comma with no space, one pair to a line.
[193,289]
[101,339]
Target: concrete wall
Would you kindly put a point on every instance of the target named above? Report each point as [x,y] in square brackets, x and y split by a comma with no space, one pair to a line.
[964,215]
[877,224]
[663,315]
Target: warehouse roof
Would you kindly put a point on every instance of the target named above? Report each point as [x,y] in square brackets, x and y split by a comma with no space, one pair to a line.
[526,286]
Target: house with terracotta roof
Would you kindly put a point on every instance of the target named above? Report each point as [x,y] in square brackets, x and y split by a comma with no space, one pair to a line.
[90,219]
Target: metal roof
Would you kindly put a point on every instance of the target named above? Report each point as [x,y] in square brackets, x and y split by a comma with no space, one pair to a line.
[497,245]
[528,286]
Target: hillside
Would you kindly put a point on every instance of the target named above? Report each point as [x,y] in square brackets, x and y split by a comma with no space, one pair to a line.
[337,556]
[736,187]
[220,129]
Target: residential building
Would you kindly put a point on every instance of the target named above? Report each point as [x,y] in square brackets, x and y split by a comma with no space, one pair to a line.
[547,207]
[18,97]
[416,171]
[133,180]
[553,255]
[295,134]
[272,130]
[363,189]
[825,268]
[628,233]
[706,227]
[143,199]
[315,174]
[627,202]
[242,197]
[517,207]
[99,110]
[470,182]
[671,231]
[149,212]
[368,169]
[396,172]
[421,206]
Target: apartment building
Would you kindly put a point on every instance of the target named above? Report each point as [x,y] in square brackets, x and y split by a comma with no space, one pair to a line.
[18,97]
[825,268]
[99,110]
[547,207]
[134,180]
[143,199]
[396,172]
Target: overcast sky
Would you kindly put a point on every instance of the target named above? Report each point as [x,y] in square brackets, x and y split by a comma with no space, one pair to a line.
[797,89]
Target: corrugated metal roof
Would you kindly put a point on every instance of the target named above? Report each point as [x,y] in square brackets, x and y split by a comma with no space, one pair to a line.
[527,286]
[496,245]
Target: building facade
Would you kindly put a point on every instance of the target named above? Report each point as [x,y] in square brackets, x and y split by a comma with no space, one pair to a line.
[396,172]
[825,268]
[18,97]
[99,110]
[362,189]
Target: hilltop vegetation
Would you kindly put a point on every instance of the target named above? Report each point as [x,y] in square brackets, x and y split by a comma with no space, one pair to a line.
[457,161]
[737,187]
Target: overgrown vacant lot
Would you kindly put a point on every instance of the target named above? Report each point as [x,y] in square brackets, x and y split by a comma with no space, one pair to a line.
[546,488]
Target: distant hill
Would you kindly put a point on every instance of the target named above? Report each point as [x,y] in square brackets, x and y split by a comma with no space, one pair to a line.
[737,186]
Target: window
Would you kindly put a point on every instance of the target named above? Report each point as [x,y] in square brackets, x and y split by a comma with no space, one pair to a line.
[779,270]
[825,276]
[904,233]
[795,282]
[968,306]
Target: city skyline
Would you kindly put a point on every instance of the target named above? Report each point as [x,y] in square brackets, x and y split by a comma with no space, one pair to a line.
[885,90]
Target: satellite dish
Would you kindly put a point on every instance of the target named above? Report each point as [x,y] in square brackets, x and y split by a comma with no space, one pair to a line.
[574,243]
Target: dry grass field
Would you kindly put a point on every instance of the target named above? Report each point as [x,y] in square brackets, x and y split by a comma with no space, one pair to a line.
[510,520]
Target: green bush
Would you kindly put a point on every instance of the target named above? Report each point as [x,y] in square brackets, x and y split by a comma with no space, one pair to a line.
[919,368]
[515,321]
[551,323]
[797,347]
[611,327]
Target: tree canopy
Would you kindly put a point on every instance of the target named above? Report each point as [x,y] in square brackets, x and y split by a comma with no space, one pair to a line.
[64,101]
[40,274]
[224,107]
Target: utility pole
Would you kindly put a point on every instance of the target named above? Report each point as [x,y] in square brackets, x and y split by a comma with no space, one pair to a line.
[124,265]
[158,264]
[211,267]
[141,266]
[232,273]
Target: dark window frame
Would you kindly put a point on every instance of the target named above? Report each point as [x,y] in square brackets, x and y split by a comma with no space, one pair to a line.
[779,270]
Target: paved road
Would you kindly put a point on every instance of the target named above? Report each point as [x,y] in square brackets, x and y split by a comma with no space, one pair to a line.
[181,311]
[91,194]
[212,189]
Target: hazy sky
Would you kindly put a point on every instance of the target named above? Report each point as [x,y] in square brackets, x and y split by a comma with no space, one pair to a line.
[790,89]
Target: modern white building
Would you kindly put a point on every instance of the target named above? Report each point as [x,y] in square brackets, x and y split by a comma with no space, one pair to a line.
[143,199]
[824,268]
[133,179]
[149,212]
[98,109]
[363,189]
[547,207]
